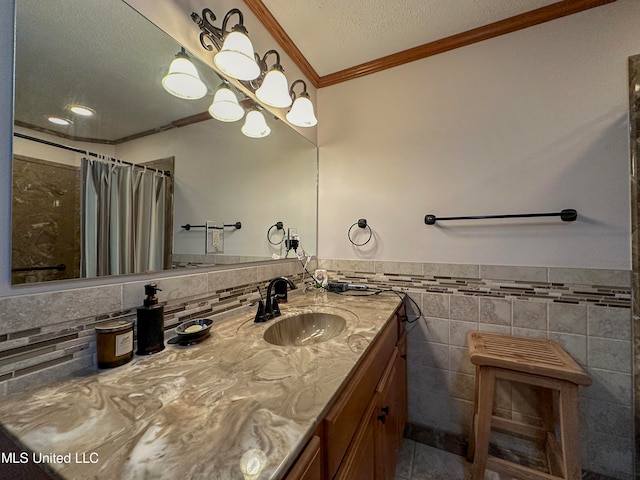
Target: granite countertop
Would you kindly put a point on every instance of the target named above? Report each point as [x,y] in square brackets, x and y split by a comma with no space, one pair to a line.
[192,412]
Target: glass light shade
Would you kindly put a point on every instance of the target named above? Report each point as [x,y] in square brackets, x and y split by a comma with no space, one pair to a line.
[274,90]
[225,106]
[301,113]
[183,80]
[236,59]
[255,126]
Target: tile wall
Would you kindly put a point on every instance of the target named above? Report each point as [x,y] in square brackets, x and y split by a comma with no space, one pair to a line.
[586,311]
[46,336]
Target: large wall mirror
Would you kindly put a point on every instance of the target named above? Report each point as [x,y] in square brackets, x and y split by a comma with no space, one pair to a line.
[81,209]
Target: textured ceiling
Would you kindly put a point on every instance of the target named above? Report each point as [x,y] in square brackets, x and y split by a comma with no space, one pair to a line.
[102,54]
[334,35]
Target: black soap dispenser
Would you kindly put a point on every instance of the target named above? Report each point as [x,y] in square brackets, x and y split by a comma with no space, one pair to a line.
[150,324]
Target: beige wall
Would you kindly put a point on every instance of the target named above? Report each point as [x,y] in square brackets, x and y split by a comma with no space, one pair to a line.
[533,121]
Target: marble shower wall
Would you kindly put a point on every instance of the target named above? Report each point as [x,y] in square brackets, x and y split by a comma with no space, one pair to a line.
[46,224]
[587,311]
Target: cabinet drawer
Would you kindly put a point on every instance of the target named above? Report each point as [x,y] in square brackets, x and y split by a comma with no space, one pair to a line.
[344,416]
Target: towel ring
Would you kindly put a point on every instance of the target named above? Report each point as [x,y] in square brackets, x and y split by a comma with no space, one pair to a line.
[362,223]
[277,226]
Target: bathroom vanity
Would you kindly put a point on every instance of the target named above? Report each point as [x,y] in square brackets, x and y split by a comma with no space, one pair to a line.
[361,433]
[233,403]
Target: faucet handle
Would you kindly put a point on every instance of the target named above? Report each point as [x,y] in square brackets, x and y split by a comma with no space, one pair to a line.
[260,314]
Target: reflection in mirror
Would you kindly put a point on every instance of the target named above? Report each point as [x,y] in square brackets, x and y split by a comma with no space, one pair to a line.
[75,218]
[634,143]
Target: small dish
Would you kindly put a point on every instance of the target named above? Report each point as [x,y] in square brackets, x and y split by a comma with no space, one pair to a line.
[194,330]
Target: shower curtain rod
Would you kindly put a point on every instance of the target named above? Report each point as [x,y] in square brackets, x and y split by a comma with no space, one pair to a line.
[87,152]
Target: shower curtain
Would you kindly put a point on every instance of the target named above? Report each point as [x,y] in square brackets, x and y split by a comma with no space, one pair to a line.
[122,218]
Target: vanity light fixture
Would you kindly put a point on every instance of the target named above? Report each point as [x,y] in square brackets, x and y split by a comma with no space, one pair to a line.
[301,113]
[82,110]
[255,126]
[268,83]
[235,56]
[183,80]
[225,106]
[64,122]
[274,89]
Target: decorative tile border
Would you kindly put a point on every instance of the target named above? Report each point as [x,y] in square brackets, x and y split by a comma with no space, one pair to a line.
[502,281]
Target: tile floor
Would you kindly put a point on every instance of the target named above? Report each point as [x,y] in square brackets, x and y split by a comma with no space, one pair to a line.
[418,461]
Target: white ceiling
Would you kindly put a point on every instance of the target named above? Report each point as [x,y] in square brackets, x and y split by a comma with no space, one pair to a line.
[115,66]
[334,35]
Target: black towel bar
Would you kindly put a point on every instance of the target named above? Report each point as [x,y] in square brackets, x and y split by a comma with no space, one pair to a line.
[60,267]
[567,215]
[188,226]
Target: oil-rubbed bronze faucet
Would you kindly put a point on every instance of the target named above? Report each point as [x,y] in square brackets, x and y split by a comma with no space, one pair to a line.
[271,309]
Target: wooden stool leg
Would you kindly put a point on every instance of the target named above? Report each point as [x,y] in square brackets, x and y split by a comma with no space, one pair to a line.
[546,410]
[554,458]
[486,387]
[569,431]
[471,449]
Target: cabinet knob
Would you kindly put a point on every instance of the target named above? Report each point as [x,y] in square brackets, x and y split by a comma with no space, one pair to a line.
[385,410]
[382,418]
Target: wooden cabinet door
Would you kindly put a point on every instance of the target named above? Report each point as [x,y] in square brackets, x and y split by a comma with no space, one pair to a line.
[346,414]
[359,462]
[309,463]
[391,417]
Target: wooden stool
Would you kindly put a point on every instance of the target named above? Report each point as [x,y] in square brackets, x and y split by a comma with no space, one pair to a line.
[539,362]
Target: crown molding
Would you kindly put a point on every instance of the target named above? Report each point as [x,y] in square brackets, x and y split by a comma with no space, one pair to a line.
[492,30]
[275,29]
